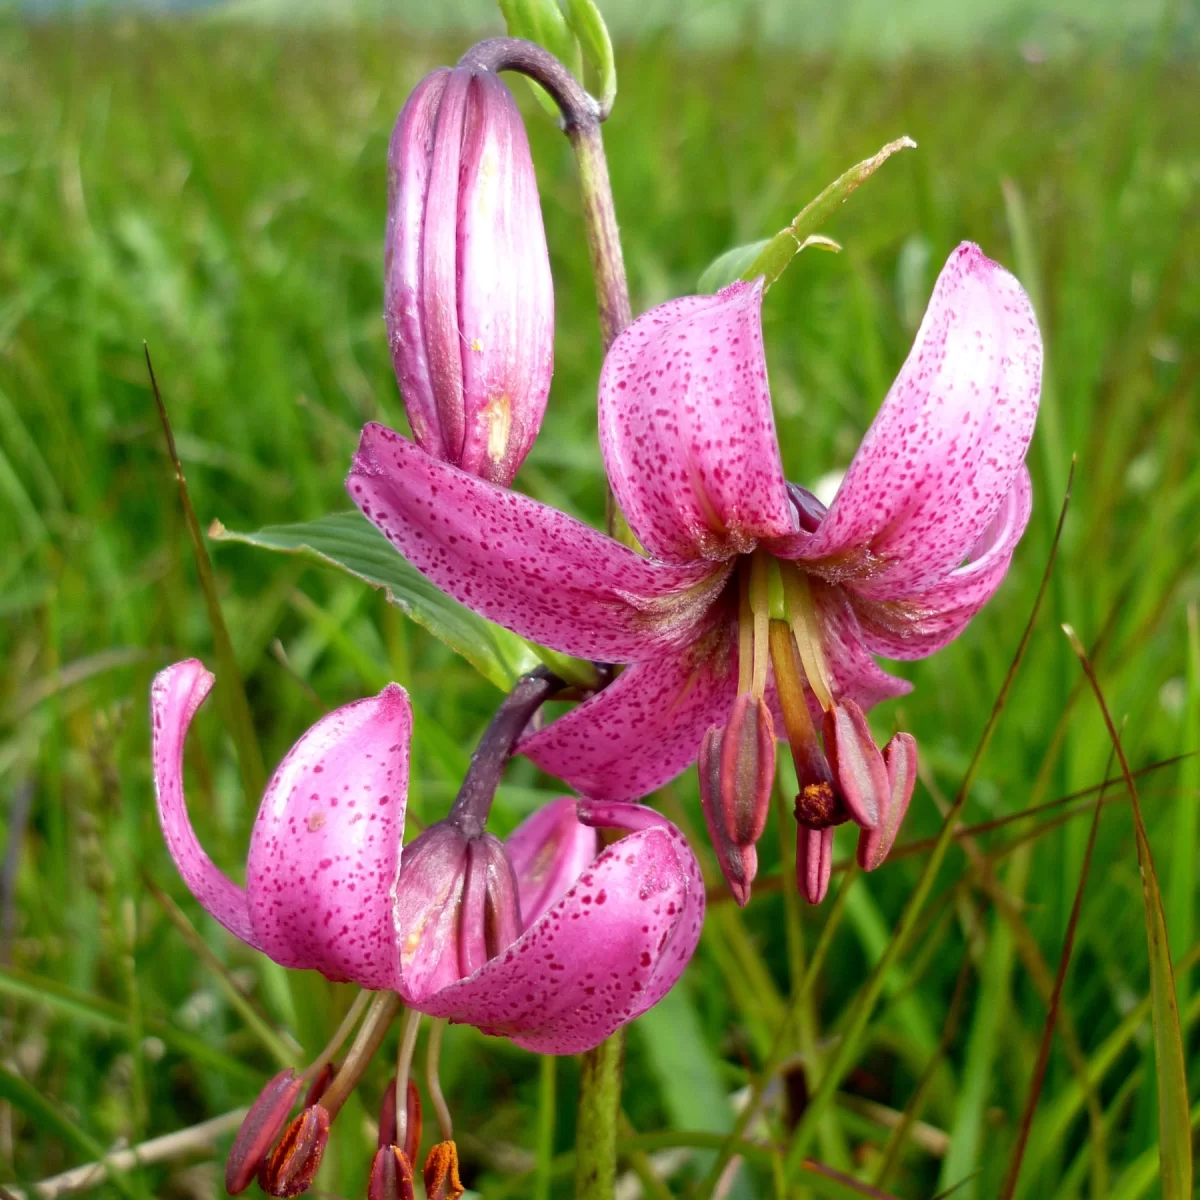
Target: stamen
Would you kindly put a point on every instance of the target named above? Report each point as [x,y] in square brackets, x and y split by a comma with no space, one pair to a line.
[404,1057]
[343,1032]
[745,634]
[378,1020]
[760,606]
[807,630]
[433,1081]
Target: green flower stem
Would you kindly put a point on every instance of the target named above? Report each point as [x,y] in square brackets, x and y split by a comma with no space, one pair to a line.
[599,1113]
[600,1079]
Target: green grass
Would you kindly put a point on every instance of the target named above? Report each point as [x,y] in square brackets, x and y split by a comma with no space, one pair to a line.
[218,191]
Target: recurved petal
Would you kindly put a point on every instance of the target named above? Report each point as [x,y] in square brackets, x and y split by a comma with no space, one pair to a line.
[947,445]
[176,694]
[522,564]
[856,675]
[687,430]
[325,850]
[549,850]
[925,622]
[643,729]
[606,952]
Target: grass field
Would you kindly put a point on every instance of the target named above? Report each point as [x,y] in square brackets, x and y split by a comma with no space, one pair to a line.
[218,190]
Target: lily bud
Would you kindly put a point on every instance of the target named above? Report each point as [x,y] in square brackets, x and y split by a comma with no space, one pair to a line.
[292,1164]
[737,768]
[457,906]
[259,1130]
[468,297]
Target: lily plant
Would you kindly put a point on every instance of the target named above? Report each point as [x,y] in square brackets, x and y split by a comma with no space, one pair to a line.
[747,610]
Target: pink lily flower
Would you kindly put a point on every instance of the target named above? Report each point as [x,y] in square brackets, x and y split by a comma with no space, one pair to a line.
[755,605]
[608,932]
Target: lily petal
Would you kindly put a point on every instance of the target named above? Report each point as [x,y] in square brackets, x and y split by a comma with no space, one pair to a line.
[687,431]
[330,826]
[946,446]
[927,621]
[523,564]
[606,952]
[176,694]
[641,730]
[549,850]
[409,158]
[856,675]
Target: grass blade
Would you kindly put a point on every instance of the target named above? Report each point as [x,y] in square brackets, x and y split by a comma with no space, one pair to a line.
[231,692]
[23,1095]
[1174,1120]
[1060,977]
[840,1060]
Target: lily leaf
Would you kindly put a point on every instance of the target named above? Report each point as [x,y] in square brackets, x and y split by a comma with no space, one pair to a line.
[543,22]
[351,543]
[770,258]
[584,18]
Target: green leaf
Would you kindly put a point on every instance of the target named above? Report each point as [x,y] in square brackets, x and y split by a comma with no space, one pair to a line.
[585,19]
[351,543]
[774,257]
[543,22]
[727,267]
[1174,1115]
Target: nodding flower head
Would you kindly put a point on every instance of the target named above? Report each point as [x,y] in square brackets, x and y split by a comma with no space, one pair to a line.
[325,848]
[468,298]
[746,578]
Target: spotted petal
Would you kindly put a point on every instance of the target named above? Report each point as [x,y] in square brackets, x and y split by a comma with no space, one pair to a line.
[523,564]
[549,850]
[929,620]
[325,850]
[641,730]
[687,430]
[607,951]
[176,694]
[947,445]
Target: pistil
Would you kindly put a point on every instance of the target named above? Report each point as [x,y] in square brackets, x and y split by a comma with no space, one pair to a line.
[817,805]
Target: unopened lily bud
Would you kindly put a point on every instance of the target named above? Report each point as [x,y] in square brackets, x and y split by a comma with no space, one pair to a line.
[441,1173]
[259,1130]
[457,906]
[737,769]
[468,297]
[391,1175]
[290,1169]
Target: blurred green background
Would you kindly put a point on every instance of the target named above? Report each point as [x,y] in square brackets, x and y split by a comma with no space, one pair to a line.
[213,183]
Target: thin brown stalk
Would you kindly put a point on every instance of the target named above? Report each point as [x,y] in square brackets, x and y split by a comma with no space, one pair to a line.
[1060,977]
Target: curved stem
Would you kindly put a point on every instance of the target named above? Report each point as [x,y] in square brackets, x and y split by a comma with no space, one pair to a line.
[474,800]
[581,117]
